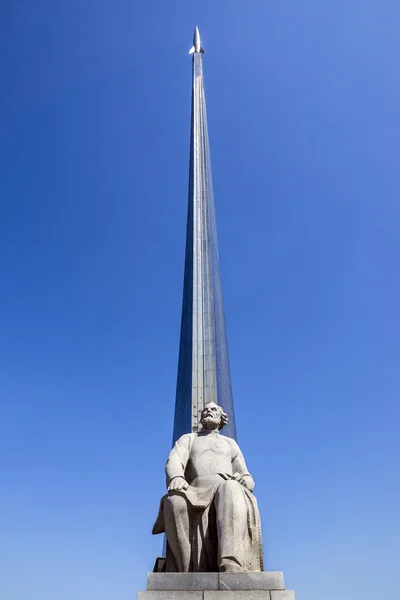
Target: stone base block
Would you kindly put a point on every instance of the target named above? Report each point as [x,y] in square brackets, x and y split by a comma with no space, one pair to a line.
[267,585]
[266,580]
[171,595]
[218,595]
[182,581]
[282,595]
[238,595]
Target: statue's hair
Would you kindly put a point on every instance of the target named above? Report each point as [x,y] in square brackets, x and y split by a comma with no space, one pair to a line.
[224,420]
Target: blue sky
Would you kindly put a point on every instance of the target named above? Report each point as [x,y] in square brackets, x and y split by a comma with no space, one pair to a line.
[303,104]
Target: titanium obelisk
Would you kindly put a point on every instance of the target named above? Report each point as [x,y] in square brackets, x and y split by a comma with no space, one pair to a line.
[203,369]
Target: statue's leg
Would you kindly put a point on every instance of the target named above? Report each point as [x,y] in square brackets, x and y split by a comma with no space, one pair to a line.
[176,520]
[231,525]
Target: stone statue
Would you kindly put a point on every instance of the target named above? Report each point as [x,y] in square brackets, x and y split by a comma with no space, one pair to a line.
[209,515]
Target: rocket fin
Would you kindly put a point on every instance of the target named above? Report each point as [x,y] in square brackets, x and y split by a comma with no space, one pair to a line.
[192,49]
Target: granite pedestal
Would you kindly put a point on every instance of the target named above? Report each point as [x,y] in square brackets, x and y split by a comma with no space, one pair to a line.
[267,585]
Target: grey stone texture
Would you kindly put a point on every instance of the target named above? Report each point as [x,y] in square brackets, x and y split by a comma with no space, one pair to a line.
[182,581]
[171,595]
[238,595]
[218,595]
[267,580]
[267,585]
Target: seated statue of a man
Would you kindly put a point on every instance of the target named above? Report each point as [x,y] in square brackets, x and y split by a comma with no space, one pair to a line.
[210,515]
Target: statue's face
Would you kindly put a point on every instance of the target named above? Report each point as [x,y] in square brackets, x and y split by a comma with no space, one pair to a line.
[211,416]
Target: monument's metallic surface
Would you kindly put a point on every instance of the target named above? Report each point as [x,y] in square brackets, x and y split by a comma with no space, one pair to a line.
[196,42]
[203,369]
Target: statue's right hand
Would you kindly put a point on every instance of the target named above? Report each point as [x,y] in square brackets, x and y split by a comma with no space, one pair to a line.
[178,484]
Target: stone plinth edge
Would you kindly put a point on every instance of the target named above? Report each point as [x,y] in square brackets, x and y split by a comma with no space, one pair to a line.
[218,595]
[282,595]
[267,585]
[182,581]
[266,580]
[171,595]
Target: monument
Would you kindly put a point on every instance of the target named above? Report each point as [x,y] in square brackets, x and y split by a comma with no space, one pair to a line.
[209,514]
[203,367]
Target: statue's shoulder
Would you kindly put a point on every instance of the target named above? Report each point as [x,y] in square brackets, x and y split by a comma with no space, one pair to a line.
[187,436]
[186,439]
[233,444]
[231,441]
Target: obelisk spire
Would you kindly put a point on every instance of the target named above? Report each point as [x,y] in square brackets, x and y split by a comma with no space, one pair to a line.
[203,370]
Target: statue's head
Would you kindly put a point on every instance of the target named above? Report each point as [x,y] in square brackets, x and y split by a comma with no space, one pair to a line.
[213,417]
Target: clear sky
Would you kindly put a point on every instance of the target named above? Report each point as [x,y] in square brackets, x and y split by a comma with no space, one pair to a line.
[303,104]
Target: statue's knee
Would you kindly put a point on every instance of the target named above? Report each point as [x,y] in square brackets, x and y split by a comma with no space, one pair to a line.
[176,504]
[230,488]
[231,485]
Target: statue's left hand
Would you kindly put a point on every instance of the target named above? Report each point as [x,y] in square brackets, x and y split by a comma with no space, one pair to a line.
[245,480]
[178,484]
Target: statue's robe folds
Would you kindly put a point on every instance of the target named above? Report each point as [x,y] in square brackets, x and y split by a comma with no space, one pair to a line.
[212,503]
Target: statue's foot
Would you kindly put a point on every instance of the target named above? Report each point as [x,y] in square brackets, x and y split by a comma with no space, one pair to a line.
[229,565]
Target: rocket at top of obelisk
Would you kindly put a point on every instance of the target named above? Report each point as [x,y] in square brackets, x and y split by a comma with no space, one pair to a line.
[203,368]
[196,42]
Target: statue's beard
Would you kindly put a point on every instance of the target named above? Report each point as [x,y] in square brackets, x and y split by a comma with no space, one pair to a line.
[210,423]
